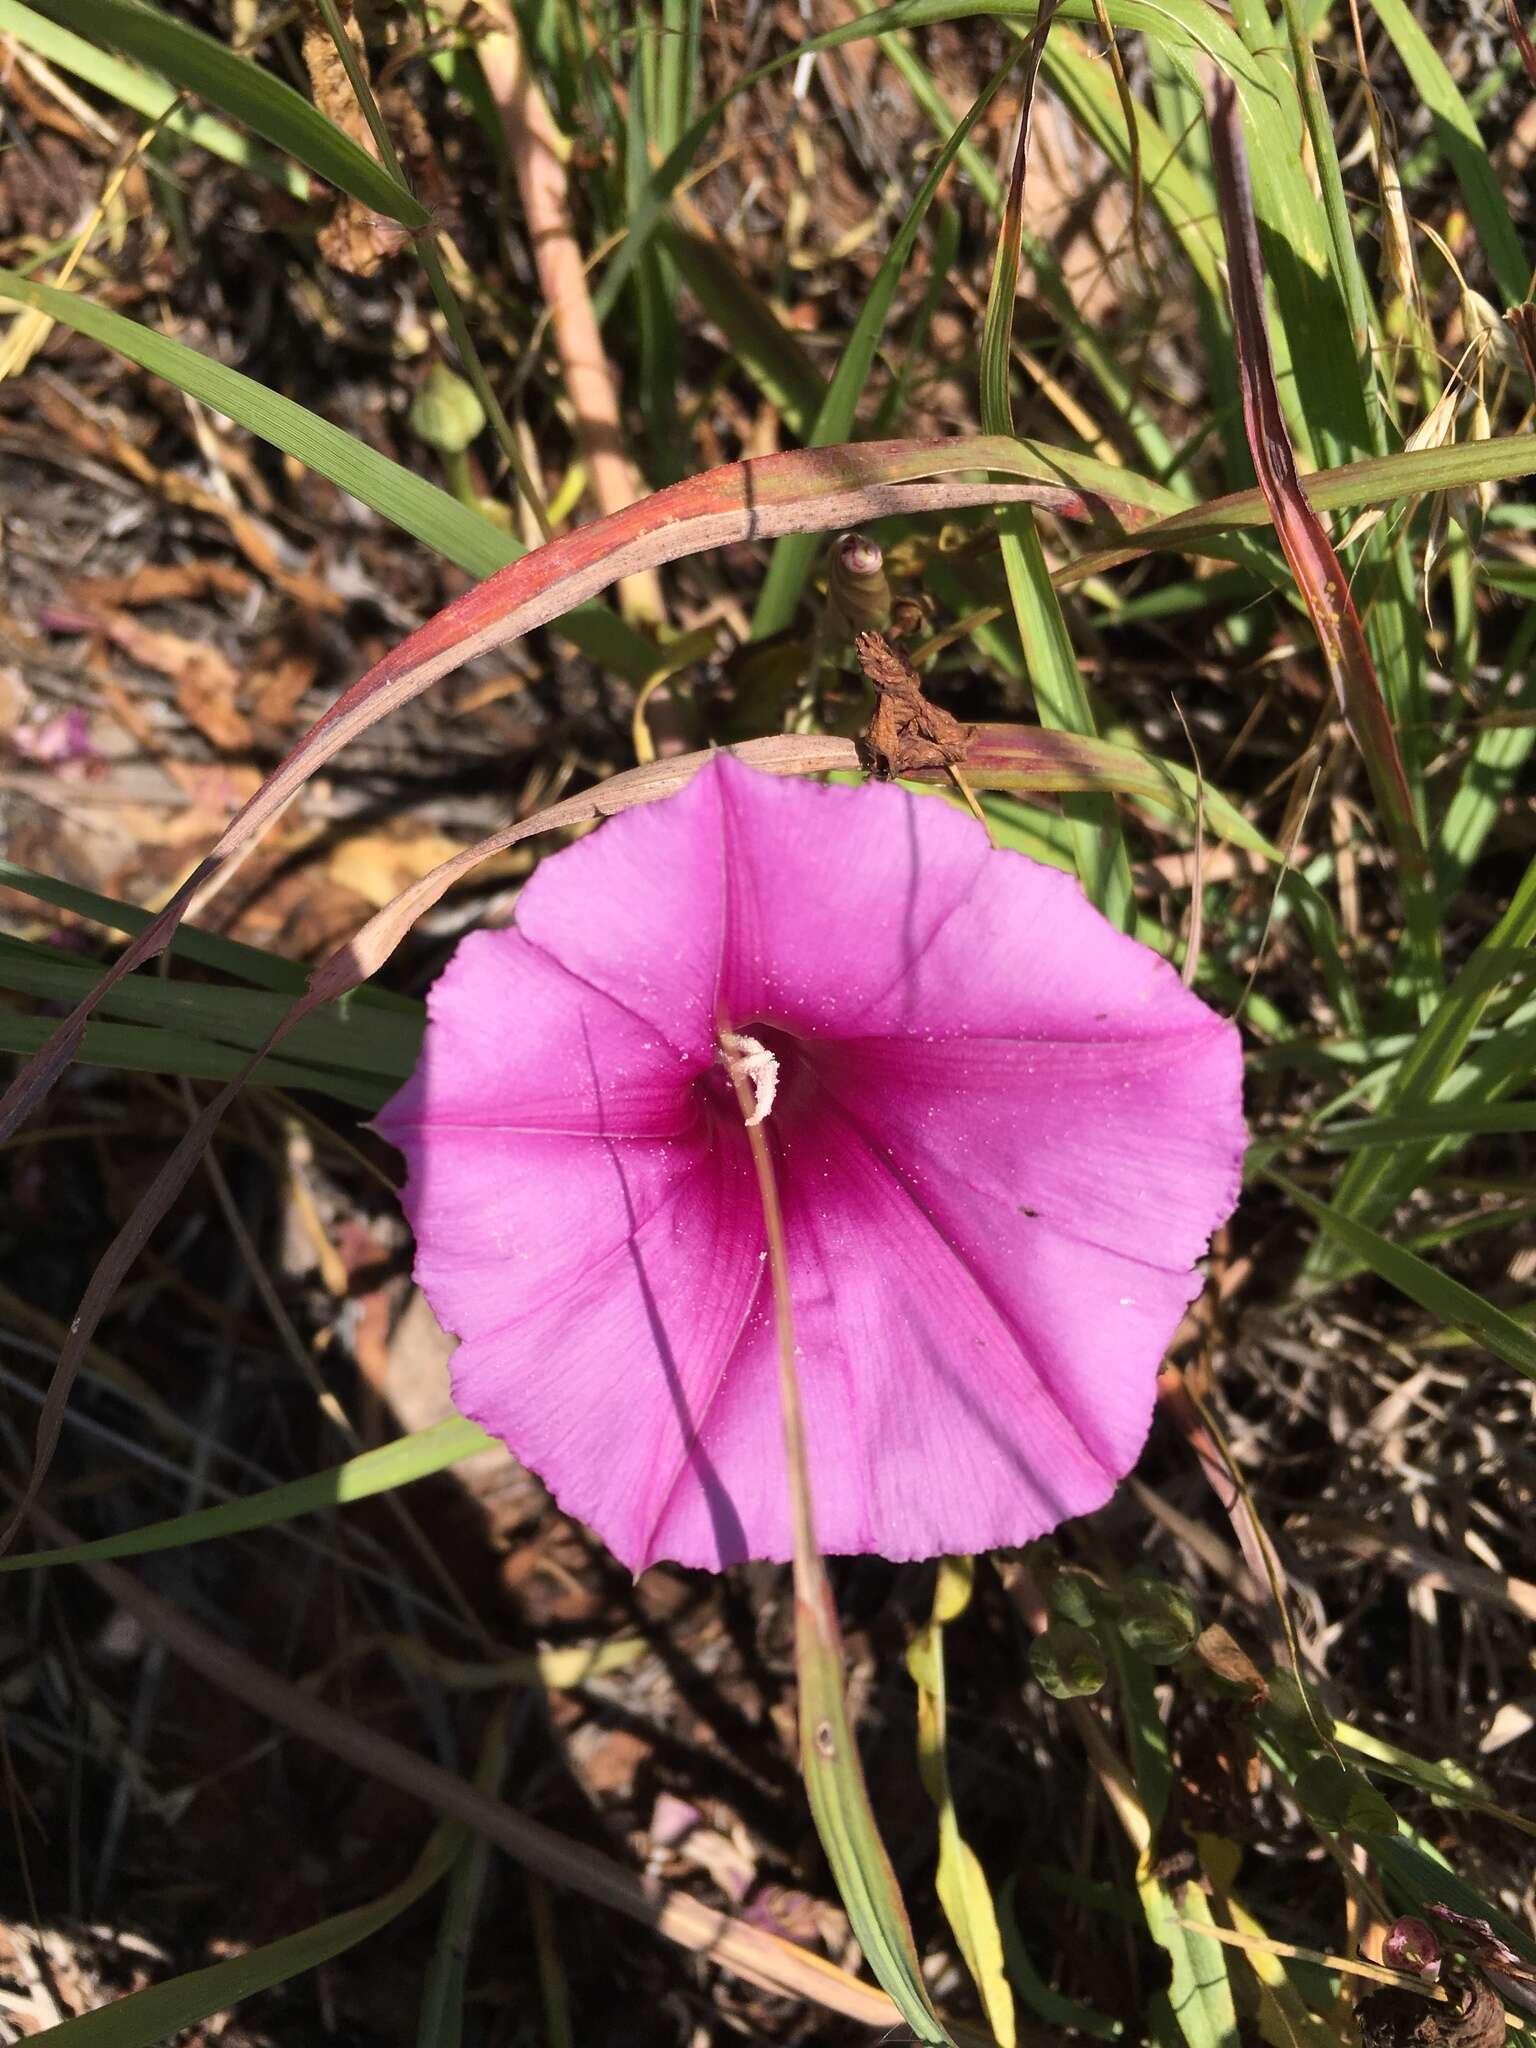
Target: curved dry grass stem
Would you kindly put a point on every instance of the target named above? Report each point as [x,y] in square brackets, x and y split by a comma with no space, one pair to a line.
[538,153]
[764,1959]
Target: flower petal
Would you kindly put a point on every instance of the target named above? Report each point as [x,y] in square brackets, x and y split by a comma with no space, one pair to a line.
[835,896]
[514,1042]
[599,1384]
[1134,1146]
[637,911]
[931,1426]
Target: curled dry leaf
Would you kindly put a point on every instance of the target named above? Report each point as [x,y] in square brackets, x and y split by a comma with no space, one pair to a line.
[906,732]
[1474,2018]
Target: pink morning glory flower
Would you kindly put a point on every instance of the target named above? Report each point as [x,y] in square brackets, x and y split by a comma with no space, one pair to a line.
[1003,1133]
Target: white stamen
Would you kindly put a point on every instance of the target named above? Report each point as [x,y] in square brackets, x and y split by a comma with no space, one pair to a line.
[749,1060]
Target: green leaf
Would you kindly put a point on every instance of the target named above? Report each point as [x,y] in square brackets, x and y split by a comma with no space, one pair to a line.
[147,96]
[408,501]
[962,1883]
[1200,1994]
[242,90]
[1338,1798]
[162,2010]
[1432,1290]
[392,1465]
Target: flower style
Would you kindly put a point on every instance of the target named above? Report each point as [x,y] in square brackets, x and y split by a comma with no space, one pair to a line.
[1002,1131]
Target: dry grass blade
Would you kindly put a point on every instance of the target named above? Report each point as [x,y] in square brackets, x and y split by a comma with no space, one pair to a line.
[761,1958]
[1316,567]
[808,491]
[538,153]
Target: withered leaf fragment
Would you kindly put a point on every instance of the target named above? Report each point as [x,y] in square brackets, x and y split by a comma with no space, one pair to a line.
[1474,2018]
[907,732]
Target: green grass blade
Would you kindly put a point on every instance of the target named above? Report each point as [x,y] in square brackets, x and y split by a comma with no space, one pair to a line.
[162,2010]
[961,1883]
[1464,149]
[408,501]
[1061,699]
[793,556]
[1451,1120]
[149,97]
[1186,201]
[834,1780]
[1348,277]
[240,89]
[441,2024]
[1379,1179]
[1051,2006]
[142,1049]
[392,1465]
[772,355]
[357,1039]
[1435,1291]
[1418,1876]
[1130,412]
[207,949]
[1493,767]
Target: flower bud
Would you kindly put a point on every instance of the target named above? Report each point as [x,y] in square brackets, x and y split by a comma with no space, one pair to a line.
[1068,1662]
[445,412]
[1410,1945]
[858,595]
[1158,1621]
[1071,1597]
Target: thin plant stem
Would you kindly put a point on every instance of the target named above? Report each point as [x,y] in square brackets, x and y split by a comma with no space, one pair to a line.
[810,1574]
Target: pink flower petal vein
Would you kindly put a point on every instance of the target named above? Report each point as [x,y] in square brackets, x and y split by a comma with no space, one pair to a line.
[1003,1134]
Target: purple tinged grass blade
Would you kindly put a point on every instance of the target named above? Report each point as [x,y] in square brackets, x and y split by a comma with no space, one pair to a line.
[807,491]
[1319,574]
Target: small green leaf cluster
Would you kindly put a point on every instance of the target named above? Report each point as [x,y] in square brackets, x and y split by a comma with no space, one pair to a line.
[1150,1616]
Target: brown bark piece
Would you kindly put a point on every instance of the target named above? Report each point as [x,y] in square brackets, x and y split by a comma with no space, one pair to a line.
[907,732]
